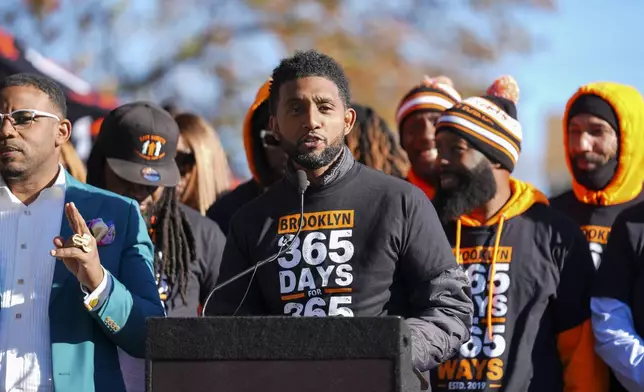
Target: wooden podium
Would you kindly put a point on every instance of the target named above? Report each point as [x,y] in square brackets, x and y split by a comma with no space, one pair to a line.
[282,354]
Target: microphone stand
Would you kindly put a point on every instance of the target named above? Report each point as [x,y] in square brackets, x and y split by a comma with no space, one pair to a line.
[302,185]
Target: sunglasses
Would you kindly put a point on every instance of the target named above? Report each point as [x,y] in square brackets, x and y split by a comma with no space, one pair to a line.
[268,138]
[22,119]
[186,161]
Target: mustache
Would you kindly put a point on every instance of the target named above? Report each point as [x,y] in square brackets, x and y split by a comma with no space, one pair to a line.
[461,174]
[590,157]
[9,147]
[311,135]
[475,188]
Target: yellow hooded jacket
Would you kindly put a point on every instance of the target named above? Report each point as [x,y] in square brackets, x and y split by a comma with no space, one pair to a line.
[626,184]
[595,210]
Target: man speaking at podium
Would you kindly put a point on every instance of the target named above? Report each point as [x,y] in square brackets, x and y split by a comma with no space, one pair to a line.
[367,244]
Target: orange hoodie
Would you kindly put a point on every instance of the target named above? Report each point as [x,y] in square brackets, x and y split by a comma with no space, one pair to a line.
[422,184]
[249,137]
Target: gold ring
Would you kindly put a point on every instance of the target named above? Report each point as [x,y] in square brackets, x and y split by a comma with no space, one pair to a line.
[82,242]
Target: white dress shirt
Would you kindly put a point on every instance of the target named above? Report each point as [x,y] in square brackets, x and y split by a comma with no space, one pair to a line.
[26,273]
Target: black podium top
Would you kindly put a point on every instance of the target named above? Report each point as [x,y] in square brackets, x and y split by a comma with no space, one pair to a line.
[279,338]
[242,354]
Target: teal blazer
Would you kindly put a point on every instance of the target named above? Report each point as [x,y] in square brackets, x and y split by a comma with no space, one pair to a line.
[83,342]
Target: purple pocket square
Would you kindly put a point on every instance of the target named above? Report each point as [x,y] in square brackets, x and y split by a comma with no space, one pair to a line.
[103,232]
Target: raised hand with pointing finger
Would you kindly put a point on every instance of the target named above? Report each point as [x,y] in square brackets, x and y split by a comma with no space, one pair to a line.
[105,308]
[79,252]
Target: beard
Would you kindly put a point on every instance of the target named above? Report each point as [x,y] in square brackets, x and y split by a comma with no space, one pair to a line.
[313,160]
[591,157]
[475,188]
[600,176]
[9,172]
[433,179]
[14,168]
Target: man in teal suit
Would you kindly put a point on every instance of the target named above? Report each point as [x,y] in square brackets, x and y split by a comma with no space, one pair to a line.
[67,308]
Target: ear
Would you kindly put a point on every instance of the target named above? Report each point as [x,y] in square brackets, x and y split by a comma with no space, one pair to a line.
[349,120]
[64,132]
[272,124]
[496,166]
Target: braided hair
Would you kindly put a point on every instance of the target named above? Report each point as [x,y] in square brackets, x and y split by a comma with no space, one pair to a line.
[374,144]
[173,239]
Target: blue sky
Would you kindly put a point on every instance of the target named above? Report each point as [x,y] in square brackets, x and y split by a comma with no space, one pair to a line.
[584,41]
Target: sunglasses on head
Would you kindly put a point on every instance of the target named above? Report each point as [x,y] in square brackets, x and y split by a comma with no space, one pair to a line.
[268,138]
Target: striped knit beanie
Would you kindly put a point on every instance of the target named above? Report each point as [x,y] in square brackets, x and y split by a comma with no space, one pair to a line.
[489,123]
[432,95]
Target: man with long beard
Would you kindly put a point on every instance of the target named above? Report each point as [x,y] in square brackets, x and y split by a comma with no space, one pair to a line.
[530,268]
[416,116]
[370,244]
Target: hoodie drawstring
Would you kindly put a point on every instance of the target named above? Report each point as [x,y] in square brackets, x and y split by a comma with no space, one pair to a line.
[490,284]
[458,241]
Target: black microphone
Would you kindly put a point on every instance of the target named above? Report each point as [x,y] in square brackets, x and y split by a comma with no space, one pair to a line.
[302,181]
[302,185]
